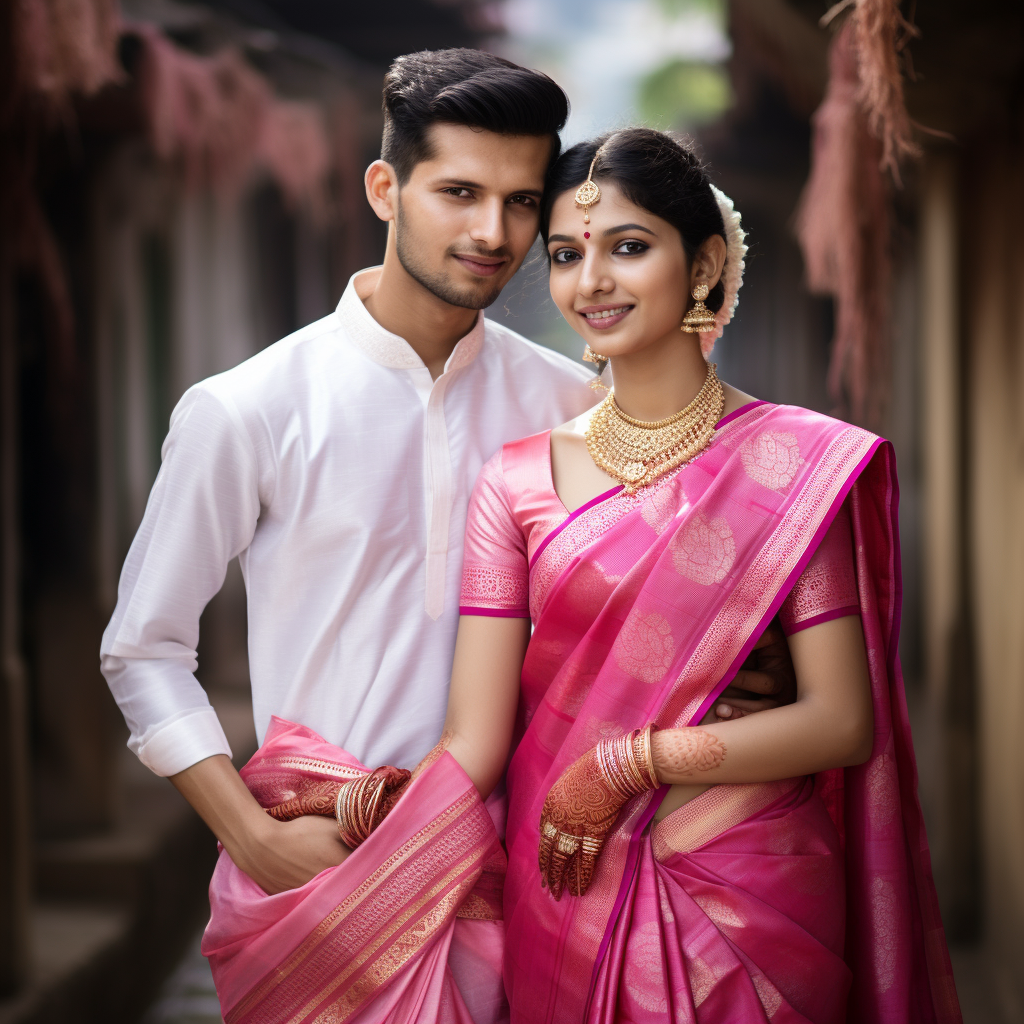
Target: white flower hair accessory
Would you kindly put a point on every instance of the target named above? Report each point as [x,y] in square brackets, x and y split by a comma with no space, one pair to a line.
[732,274]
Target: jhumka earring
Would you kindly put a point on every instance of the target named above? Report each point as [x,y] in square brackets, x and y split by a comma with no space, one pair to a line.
[590,356]
[588,193]
[700,318]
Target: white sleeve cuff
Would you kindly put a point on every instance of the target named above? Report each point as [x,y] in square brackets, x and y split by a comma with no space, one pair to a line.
[182,741]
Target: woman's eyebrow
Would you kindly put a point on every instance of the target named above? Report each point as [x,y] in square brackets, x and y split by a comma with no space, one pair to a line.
[561,238]
[629,227]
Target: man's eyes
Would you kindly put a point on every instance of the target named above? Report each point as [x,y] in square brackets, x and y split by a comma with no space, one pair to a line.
[457,192]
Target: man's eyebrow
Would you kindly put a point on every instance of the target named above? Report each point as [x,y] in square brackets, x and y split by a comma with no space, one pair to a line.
[629,227]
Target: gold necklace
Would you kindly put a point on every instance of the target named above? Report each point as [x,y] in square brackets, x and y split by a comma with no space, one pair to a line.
[636,453]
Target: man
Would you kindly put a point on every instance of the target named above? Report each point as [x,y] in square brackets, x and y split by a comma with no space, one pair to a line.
[338,463]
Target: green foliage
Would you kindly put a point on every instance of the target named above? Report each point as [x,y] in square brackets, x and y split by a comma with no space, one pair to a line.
[684,93]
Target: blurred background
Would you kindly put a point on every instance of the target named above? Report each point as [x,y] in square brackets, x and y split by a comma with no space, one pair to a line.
[181,185]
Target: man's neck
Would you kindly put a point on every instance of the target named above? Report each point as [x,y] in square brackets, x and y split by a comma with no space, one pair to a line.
[401,305]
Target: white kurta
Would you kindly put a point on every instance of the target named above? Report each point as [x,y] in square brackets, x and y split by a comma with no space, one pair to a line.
[340,473]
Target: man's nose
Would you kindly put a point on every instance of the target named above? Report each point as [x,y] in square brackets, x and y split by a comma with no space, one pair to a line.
[488,227]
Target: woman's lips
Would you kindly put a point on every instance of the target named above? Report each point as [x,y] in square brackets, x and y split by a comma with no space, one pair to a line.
[603,318]
[479,267]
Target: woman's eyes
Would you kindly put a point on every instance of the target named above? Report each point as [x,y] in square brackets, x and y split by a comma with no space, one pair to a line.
[566,256]
[631,247]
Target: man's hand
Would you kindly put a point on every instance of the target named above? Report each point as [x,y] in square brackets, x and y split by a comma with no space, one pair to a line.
[287,854]
[765,680]
[276,855]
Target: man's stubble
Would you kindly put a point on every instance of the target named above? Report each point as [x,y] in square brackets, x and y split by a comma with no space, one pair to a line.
[436,281]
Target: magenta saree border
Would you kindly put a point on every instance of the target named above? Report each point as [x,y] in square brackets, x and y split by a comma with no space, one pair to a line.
[817,620]
[736,413]
[496,613]
[571,518]
[632,854]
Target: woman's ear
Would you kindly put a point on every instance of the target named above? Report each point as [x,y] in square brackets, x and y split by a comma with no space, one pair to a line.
[382,189]
[709,262]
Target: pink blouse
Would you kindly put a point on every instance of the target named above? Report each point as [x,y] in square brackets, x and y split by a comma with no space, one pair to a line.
[514,511]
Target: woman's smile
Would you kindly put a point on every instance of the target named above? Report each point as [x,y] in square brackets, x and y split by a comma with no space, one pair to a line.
[603,317]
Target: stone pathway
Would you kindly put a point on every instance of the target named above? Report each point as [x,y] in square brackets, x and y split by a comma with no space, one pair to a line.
[188,997]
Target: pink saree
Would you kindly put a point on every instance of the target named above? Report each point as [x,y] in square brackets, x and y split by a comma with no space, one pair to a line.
[407,930]
[802,900]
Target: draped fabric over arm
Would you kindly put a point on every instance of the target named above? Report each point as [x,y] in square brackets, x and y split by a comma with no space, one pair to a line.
[406,931]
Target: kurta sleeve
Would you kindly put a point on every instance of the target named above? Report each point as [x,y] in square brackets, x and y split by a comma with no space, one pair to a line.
[495,573]
[201,513]
[827,588]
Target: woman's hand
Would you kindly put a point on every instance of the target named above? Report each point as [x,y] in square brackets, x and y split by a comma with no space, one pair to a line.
[287,854]
[578,814]
[583,804]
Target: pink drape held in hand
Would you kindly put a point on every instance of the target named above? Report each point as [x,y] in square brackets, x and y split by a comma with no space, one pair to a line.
[406,930]
[803,900]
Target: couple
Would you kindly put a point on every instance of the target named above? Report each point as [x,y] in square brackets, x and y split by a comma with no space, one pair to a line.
[649,850]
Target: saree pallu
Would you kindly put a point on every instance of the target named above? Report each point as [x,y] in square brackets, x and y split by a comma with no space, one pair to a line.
[801,900]
[406,930]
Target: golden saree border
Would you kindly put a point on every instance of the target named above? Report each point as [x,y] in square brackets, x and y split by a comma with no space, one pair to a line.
[753,594]
[714,812]
[380,912]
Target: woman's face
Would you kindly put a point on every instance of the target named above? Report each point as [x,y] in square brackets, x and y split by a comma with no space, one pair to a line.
[622,280]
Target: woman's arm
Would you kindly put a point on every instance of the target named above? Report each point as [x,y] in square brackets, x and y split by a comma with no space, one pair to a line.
[830,724]
[484,694]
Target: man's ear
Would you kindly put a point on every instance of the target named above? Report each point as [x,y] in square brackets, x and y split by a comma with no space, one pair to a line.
[382,189]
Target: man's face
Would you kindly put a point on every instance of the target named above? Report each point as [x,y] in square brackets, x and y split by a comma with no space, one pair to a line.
[468,215]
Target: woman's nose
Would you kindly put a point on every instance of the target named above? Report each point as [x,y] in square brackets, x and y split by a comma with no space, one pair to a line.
[594,277]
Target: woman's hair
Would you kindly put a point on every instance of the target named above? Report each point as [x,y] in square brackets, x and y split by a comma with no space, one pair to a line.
[653,171]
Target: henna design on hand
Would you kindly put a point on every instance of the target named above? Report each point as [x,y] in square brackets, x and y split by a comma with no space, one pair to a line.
[314,796]
[583,804]
[686,751]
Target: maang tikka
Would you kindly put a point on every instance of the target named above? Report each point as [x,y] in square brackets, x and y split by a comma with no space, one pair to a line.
[588,193]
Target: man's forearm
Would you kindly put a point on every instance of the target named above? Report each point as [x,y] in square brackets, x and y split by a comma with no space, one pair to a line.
[277,855]
[219,796]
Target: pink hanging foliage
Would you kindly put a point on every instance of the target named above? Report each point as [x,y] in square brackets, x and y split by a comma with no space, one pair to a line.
[882,34]
[217,118]
[860,130]
[63,47]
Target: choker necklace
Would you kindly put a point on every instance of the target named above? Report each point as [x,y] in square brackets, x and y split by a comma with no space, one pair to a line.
[636,453]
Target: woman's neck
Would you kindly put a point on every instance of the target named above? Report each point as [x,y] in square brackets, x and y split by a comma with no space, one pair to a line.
[661,379]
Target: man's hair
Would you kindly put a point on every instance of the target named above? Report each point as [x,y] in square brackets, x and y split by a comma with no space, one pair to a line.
[467,87]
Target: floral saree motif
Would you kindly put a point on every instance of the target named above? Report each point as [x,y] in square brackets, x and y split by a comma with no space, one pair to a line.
[406,930]
[792,901]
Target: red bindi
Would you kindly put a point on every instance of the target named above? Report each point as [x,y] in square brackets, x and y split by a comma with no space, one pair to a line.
[586,234]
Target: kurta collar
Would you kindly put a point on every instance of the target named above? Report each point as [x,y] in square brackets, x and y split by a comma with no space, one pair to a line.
[389,349]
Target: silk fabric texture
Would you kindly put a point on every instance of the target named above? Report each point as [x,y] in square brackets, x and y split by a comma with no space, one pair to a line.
[793,901]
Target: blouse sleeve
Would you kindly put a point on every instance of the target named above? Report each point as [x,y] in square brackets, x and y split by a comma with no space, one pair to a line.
[495,571]
[827,588]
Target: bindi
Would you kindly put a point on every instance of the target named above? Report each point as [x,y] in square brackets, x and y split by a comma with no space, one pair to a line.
[586,234]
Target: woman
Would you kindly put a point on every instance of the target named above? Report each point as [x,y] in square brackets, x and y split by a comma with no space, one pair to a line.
[663,865]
